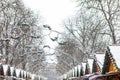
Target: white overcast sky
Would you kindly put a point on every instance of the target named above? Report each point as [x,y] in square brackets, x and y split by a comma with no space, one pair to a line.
[53,11]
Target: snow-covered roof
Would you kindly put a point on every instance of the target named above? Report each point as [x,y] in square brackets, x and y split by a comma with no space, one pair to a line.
[84,67]
[100,59]
[90,62]
[65,76]
[75,70]
[25,73]
[11,69]
[79,68]
[115,51]
[5,68]
[39,77]
[70,72]
[33,76]
[28,73]
[18,72]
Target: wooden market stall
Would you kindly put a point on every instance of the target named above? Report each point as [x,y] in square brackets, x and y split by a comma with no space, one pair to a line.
[1,72]
[77,71]
[83,69]
[111,65]
[98,62]
[11,73]
[89,66]
[105,66]
[95,67]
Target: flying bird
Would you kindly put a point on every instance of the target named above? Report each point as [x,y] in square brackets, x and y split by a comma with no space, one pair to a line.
[54,39]
[47,26]
[46,46]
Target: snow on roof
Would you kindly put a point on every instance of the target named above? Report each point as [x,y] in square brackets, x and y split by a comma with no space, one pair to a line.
[33,76]
[75,70]
[11,69]
[115,51]
[28,74]
[25,73]
[5,68]
[65,76]
[22,72]
[100,59]
[84,66]
[90,62]
[70,72]
[0,54]
[79,68]
[39,77]
[18,72]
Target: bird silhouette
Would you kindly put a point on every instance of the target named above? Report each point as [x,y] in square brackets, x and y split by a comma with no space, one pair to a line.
[54,39]
[47,26]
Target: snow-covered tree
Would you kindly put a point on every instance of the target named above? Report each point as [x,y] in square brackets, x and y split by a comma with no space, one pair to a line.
[19,29]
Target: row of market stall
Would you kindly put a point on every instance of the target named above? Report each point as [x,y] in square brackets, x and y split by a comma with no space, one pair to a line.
[104,66]
[12,73]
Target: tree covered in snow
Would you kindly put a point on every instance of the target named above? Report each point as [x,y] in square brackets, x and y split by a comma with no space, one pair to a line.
[86,29]
[95,25]
[108,11]
[20,35]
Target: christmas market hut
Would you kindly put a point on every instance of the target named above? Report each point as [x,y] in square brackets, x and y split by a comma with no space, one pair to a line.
[1,72]
[98,62]
[83,69]
[111,65]
[77,71]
